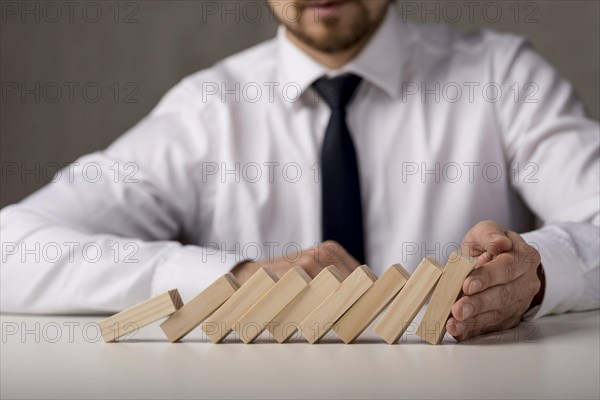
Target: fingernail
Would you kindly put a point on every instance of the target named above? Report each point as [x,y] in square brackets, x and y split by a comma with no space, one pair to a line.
[451,326]
[467,310]
[459,327]
[475,286]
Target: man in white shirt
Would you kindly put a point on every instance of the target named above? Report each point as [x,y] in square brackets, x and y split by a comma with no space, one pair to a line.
[423,140]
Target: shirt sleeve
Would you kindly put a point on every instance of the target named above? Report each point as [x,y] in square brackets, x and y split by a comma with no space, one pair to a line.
[101,236]
[570,254]
[554,154]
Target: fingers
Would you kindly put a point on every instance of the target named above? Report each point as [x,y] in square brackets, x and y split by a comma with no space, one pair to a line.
[504,318]
[311,268]
[499,271]
[243,271]
[487,238]
[528,255]
[332,253]
[504,268]
[313,260]
[498,293]
[495,298]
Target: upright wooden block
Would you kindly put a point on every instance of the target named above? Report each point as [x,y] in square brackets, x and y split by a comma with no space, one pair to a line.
[407,304]
[433,324]
[321,320]
[370,305]
[255,320]
[286,323]
[140,315]
[200,307]
[221,322]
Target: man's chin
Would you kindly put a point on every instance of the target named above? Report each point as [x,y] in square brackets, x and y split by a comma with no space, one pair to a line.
[335,34]
[329,42]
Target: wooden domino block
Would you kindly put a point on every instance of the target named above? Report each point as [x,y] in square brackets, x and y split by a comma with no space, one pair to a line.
[140,315]
[407,304]
[433,324]
[255,320]
[370,305]
[221,322]
[321,320]
[200,307]
[286,323]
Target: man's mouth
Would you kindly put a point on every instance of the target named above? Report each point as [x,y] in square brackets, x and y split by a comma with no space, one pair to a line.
[326,7]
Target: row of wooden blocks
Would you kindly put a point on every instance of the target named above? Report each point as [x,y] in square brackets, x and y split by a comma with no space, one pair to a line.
[313,307]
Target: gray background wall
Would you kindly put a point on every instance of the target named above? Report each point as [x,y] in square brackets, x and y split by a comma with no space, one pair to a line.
[134,51]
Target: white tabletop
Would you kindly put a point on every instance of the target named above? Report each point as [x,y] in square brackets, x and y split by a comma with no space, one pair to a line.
[64,357]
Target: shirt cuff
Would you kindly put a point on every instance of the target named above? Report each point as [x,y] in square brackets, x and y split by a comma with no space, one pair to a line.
[561,269]
[190,269]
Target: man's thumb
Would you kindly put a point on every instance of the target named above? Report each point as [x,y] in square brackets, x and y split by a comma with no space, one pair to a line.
[486,237]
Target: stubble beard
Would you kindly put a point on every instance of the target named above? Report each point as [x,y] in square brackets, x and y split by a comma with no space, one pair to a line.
[338,38]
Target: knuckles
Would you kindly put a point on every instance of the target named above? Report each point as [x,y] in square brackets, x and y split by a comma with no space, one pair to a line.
[329,242]
[486,225]
[528,255]
[533,256]
[502,314]
[326,253]
[506,295]
[478,304]
[329,252]
[508,265]
[481,228]
[536,285]
[483,275]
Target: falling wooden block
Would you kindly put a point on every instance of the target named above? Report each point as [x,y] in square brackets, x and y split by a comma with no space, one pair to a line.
[200,307]
[370,304]
[320,321]
[140,315]
[255,320]
[407,304]
[221,322]
[433,324]
[286,323]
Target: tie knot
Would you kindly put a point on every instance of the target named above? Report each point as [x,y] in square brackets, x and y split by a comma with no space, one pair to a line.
[337,92]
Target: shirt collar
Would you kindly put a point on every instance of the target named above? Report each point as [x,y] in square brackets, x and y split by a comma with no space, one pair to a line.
[297,68]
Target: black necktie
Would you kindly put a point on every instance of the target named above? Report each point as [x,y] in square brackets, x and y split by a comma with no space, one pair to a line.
[341,204]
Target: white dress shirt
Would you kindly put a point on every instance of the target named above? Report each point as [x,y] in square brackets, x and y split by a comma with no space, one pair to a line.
[449,130]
